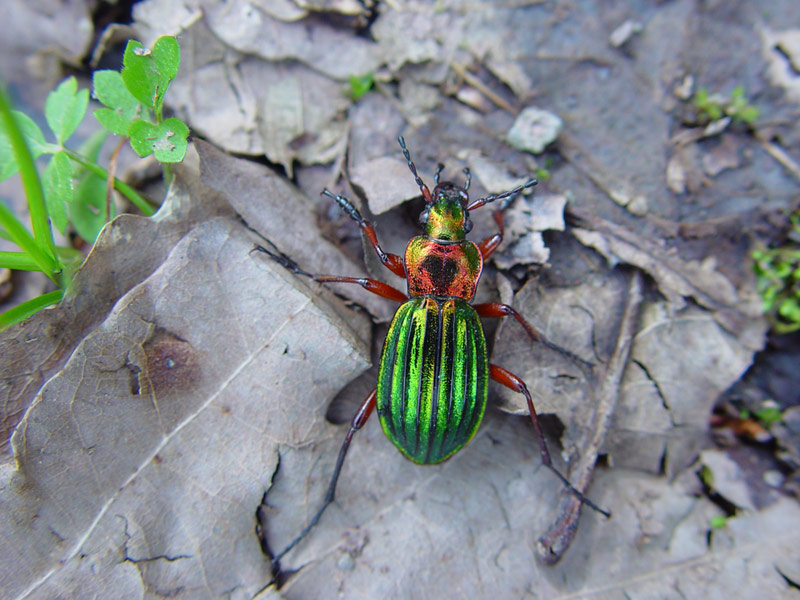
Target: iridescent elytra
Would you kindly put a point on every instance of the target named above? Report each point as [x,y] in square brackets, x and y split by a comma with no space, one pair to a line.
[434,370]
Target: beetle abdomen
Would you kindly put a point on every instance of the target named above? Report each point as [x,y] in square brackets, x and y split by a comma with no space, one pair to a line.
[433,378]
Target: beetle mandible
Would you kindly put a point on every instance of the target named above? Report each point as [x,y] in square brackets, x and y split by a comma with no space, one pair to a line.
[434,370]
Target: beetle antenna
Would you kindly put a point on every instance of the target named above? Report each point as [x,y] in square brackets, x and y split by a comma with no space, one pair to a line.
[426,193]
[469,178]
[481,201]
[436,175]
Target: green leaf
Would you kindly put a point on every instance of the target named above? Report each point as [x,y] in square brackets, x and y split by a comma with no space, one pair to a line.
[20,261]
[769,415]
[88,209]
[57,181]
[166,141]
[113,121]
[360,85]
[43,250]
[17,233]
[148,73]
[26,309]
[719,521]
[748,114]
[65,108]
[789,309]
[33,136]
[701,97]
[714,111]
[783,270]
[123,108]
[707,476]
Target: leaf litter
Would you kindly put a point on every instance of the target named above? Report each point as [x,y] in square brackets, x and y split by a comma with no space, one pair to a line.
[152,418]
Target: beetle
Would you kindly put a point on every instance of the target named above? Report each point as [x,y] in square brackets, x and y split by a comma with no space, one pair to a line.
[434,369]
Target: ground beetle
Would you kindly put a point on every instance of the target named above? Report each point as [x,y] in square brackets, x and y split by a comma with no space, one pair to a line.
[434,371]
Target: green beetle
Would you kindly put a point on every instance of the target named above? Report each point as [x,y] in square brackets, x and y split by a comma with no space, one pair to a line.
[434,371]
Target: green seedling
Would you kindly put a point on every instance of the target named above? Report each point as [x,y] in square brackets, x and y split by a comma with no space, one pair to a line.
[769,414]
[719,522]
[73,188]
[543,173]
[360,85]
[778,282]
[713,107]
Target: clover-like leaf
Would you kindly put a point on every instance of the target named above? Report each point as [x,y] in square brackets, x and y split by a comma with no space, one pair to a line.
[58,192]
[123,107]
[148,73]
[167,141]
[65,108]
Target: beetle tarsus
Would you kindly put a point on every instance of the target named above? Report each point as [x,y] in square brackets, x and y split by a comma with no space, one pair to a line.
[512,382]
[283,260]
[364,411]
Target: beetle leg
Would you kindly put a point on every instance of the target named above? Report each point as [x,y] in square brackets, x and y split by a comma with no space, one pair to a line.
[393,262]
[358,422]
[496,309]
[490,244]
[511,381]
[371,285]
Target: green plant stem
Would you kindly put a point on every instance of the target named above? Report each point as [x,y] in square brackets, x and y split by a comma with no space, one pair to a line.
[26,309]
[22,238]
[21,261]
[42,232]
[126,190]
[167,170]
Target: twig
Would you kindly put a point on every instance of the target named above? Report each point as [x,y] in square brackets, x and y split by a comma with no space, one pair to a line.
[462,72]
[784,159]
[553,544]
[112,172]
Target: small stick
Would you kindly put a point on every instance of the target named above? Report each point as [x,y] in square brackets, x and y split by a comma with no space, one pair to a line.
[552,545]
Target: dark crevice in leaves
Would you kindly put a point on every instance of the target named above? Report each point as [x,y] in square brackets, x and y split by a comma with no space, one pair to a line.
[654,382]
[789,581]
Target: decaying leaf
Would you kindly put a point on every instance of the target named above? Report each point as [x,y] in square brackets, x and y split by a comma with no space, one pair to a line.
[141,460]
[385,181]
[677,279]
[525,221]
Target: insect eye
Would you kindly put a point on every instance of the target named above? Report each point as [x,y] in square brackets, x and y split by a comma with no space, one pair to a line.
[423,216]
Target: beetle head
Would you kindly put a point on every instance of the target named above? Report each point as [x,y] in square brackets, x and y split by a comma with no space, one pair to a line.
[446,216]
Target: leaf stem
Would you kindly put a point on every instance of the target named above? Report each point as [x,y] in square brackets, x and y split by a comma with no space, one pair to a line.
[141,203]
